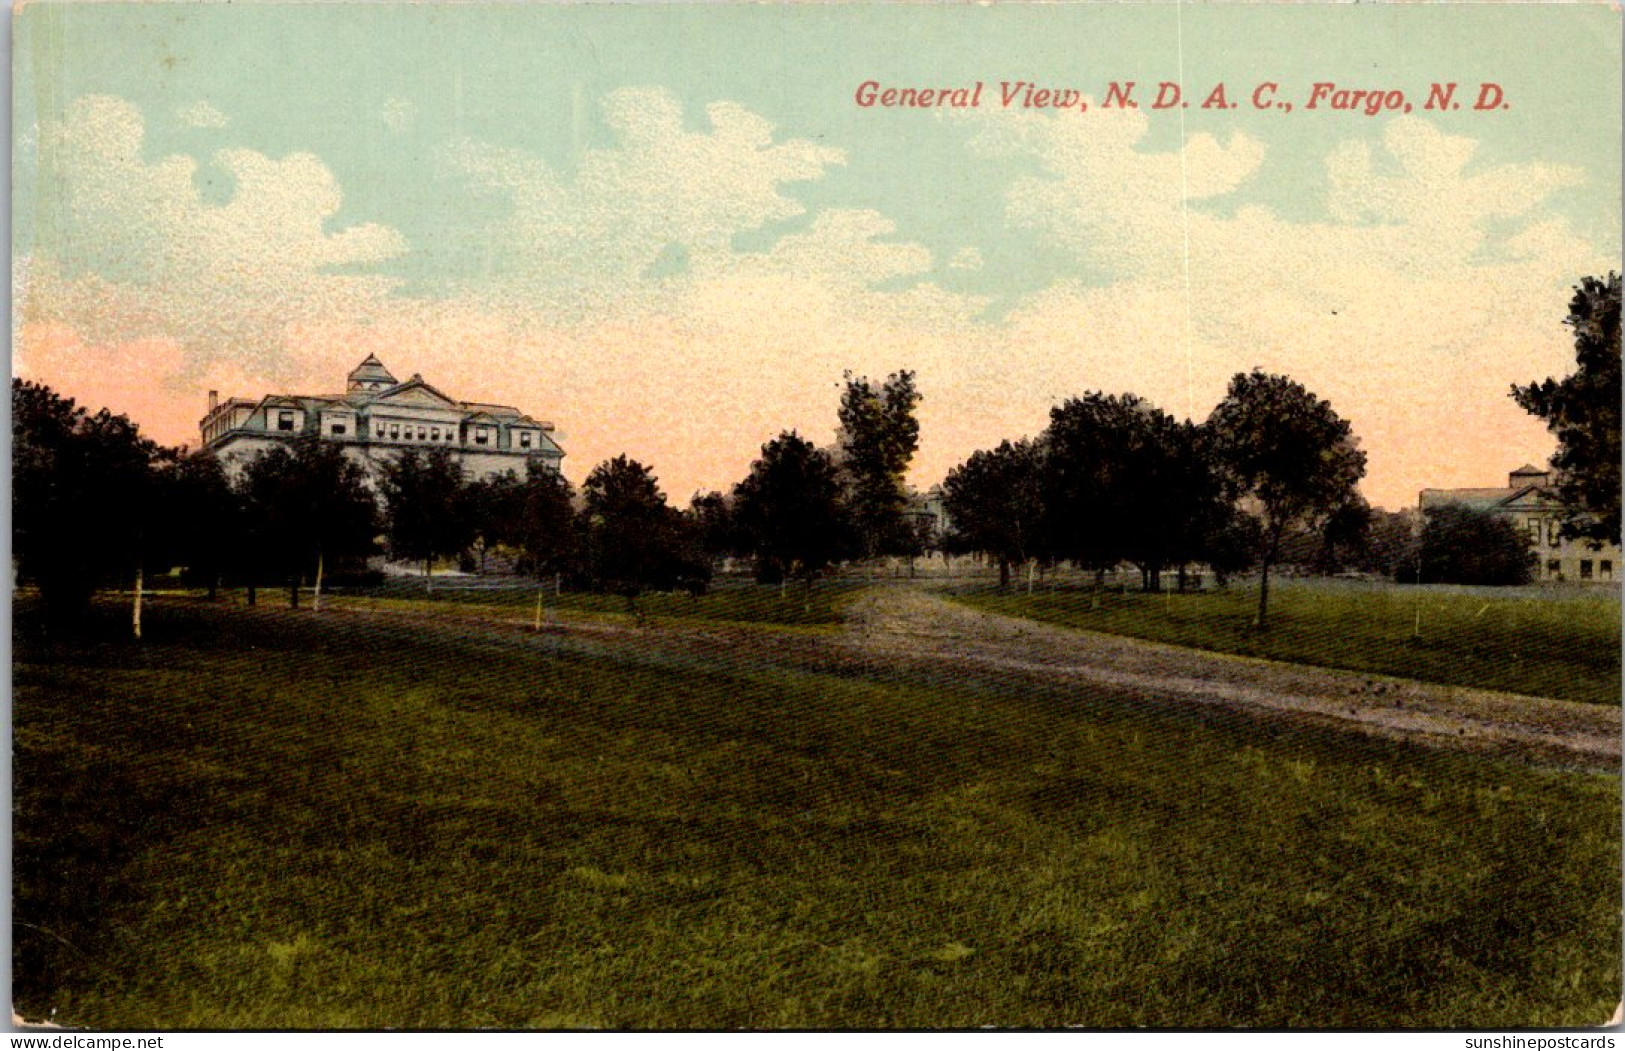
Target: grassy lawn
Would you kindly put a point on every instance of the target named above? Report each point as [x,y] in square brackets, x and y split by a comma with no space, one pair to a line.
[727,601]
[1546,647]
[278,819]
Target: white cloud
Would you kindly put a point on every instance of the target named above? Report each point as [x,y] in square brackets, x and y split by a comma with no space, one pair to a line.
[603,227]
[842,246]
[201,114]
[1434,285]
[1100,197]
[135,252]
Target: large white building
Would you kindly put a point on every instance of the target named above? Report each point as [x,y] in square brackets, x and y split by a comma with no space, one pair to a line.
[375,418]
[1530,504]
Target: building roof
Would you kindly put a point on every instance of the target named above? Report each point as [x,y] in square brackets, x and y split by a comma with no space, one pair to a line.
[371,370]
[493,409]
[371,387]
[1486,499]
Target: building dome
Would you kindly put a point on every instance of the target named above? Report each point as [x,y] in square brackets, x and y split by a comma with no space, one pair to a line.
[371,375]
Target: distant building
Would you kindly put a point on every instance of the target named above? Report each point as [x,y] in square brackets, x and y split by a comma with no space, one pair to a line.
[927,514]
[375,418]
[1530,503]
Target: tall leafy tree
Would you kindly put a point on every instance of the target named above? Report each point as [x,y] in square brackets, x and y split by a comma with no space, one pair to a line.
[426,506]
[306,506]
[492,508]
[202,516]
[635,541]
[996,502]
[788,511]
[878,436]
[1128,482]
[1080,482]
[1196,519]
[83,498]
[1287,453]
[715,524]
[1583,411]
[546,529]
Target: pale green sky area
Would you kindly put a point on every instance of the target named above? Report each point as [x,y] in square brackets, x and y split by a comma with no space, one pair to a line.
[319,78]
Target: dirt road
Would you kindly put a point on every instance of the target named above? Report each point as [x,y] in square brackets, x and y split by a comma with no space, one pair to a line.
[906,628]
[917,626]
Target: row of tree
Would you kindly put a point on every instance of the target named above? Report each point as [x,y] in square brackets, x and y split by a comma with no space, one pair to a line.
[1271,477]
[98,504]
[1114,480]
[1272,473]
[802,509]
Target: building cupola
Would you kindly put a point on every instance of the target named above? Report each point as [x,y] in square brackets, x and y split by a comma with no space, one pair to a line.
[370,375]
[1527,475]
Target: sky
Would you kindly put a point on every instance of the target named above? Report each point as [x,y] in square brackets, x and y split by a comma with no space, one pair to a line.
[672,230]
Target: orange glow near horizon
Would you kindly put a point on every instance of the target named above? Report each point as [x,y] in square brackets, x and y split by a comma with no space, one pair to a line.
[700,428]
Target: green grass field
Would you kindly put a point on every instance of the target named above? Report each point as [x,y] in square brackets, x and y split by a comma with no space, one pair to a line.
[1564,648]
[274,819]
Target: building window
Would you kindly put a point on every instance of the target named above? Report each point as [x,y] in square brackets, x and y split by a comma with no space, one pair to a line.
[482,436]
[1552,536]
[524,439]
[284,421]
[423,434]
[1605,569]
[1554,569]
[395,431]
[337,428]
[1585,569]
[434,434]
[1534,530]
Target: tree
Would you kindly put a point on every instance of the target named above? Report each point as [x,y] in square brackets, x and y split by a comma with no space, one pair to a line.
[1391,542]
[83,488]
[1128,482]
[715,525]
[1463,545]
[995,500]
[1335,543]
[877,439]
[426,506]
[202,517]
[1180,511]
[545,531]
[788,511]
[306,504]
[635,541]
[1081,479]
[492,509]
[1230,543]
[1289,454]
[1583,411]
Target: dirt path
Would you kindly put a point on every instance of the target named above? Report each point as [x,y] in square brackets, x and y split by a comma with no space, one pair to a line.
[916,626]
[910,628]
